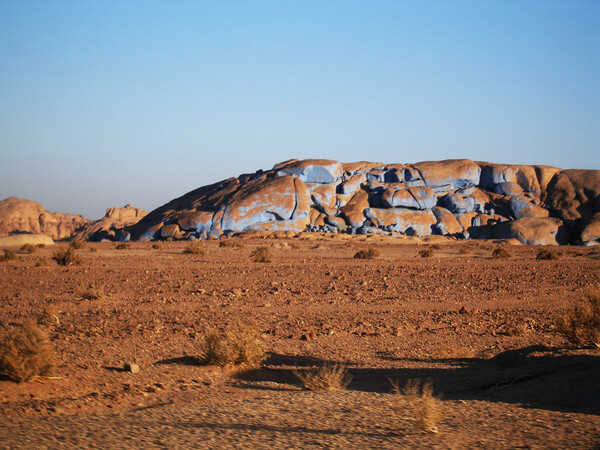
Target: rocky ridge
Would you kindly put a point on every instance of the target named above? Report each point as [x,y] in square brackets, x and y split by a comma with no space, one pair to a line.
[535,204]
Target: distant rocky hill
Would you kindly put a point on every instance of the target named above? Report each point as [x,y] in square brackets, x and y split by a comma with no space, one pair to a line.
[18,215]
[21,216]
[534,204]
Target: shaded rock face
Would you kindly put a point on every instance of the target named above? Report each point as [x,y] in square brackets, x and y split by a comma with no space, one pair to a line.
[18,215]
[464,198]
[111,225]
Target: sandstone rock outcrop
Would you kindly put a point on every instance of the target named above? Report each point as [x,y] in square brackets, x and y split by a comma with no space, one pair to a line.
[18,215]
[111,225]
[463,198]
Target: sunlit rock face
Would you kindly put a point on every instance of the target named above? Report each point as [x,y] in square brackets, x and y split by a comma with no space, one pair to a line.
[537,205]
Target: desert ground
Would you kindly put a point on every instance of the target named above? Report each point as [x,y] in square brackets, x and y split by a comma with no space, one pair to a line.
[479,330]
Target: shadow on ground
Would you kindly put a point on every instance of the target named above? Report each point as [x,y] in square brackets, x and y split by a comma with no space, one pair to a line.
[536,376]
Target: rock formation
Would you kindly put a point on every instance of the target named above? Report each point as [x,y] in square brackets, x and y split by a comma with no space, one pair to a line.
[25,217]
[463,198]
[18,215]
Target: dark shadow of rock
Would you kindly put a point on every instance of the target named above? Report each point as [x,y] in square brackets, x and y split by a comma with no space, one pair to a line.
[181,361]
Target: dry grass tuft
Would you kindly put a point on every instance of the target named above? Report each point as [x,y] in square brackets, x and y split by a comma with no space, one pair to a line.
[42,262]
[230,244]
[417,400]
[66,257]
[426,253]
[8,256]
[94,249]
[465,249]
[366,254]
[195,248]
[324,378]
[156,246]
[548,254]
[28,353]
[501,253]
[91,292]
[123,246]
[580,324]
[262,254]
[28,248]
[239,344]
[49,316]
[77,245]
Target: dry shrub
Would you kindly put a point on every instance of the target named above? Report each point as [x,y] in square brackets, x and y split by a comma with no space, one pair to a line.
[77,245]
[93,249]
[436,247]
[40,245]
[66,257]
[123,246]
[426,253]
[501,253]
[28,248]
[580,324]
[49,316]
[28,353]
[42,262]
[262,254]
[417,400]
[194,248]
[156,246]
[91,292]
[366,254]
[239,344]
[465,249]
[548,254]
[8,256]
[324,378]
[231,244]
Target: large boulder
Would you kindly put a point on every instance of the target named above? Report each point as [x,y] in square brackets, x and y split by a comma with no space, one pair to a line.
[591,232]
[417,197]
[449,174]
[409,221]
[524,207]
[532,231]
[353,211]
[323,171]
[446,222]
[263,201]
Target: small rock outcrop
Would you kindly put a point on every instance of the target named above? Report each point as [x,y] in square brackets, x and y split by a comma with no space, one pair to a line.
[533,204]
[111,226]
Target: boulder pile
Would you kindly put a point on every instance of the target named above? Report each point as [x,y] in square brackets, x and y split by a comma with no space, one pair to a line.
[537,205]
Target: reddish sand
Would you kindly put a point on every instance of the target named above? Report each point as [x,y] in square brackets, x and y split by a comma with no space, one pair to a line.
[480,329]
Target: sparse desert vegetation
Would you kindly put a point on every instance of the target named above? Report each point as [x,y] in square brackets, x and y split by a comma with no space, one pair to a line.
[26,353]
[328,377]
[195,248]
[228,243]
[77,245]
[66,257]
[426,253]
[262,255]
[548,254]
[580,323]
[366,254]
[501,253]
[480,335]
[239,344]
[8,255]
[28,248]
[123,246]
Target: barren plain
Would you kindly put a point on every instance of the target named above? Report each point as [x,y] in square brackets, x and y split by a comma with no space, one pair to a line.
[479,329]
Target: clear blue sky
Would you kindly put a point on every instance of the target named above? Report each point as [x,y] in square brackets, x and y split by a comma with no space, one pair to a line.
[104,103]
